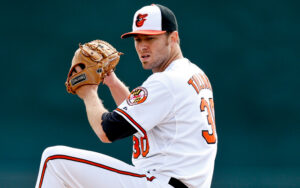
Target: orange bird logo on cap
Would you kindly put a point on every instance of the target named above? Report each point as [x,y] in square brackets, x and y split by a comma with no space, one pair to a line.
[140,19]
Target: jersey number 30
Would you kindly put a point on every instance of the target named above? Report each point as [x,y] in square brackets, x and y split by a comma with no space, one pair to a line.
[209,138]
[140,146]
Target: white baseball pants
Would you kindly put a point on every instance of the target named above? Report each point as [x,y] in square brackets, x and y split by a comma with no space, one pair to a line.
[63,166]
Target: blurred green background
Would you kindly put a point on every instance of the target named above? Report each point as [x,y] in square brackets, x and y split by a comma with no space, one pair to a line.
[248,49]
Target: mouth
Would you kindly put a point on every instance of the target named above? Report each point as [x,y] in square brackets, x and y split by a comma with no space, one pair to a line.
[145,57]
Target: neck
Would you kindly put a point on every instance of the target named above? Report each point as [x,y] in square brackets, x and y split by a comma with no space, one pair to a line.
[174,56]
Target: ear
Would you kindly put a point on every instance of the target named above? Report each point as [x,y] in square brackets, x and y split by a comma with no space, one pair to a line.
[174,37]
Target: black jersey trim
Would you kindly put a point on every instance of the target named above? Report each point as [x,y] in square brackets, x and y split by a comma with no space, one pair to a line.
[132,120]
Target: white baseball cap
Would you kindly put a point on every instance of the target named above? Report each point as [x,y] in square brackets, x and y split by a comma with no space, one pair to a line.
[154,19]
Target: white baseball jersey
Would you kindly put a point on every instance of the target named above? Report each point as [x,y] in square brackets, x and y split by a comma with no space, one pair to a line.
[173,112]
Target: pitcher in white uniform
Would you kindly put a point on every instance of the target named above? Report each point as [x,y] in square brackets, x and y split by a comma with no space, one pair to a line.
[170,117]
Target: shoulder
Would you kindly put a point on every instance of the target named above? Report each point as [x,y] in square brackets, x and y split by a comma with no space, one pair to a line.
[158,81]
[176,75]
[179,70]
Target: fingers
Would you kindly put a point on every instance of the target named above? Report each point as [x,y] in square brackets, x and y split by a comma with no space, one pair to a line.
[109,73]
[76,70]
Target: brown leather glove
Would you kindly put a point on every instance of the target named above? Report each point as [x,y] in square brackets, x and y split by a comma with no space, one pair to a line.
[96,59]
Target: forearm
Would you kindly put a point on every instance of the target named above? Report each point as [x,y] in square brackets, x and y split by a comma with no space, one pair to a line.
[95,109]
[117,88]
[119,92]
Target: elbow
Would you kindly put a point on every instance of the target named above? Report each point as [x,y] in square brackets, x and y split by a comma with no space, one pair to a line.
[102,135]
[104,138]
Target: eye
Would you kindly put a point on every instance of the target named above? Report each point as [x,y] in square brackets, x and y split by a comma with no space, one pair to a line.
[137,39]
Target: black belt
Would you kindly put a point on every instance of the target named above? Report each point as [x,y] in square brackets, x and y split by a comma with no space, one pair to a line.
[176,183]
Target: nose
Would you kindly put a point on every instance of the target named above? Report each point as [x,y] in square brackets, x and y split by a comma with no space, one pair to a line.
[142,46]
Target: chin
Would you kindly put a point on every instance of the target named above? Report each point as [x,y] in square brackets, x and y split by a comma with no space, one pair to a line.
[145,67]
[144,64]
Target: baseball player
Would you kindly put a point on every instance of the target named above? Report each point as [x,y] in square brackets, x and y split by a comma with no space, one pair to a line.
[170,118]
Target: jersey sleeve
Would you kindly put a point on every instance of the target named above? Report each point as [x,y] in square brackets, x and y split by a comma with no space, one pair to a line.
[147,105]
[116,127]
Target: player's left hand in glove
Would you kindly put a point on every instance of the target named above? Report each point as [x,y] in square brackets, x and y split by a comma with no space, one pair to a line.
[96,59]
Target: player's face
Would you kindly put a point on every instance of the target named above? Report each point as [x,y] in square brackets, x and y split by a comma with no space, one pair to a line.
[153,50]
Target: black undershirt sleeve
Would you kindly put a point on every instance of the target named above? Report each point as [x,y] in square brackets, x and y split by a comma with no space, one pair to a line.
[116,127]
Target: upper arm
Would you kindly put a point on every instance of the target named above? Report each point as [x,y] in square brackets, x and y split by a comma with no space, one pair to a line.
[116,127]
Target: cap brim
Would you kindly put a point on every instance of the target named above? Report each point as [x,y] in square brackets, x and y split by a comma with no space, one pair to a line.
[142,32]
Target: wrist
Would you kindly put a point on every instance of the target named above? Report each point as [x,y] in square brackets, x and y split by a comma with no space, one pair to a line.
[111,80]
[90,96]
[88,91]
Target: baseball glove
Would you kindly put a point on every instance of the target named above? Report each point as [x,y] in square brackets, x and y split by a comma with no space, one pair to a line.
[96,59]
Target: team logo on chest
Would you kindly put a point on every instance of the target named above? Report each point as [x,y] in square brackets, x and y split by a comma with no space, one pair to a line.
[140,19]
[137,96]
